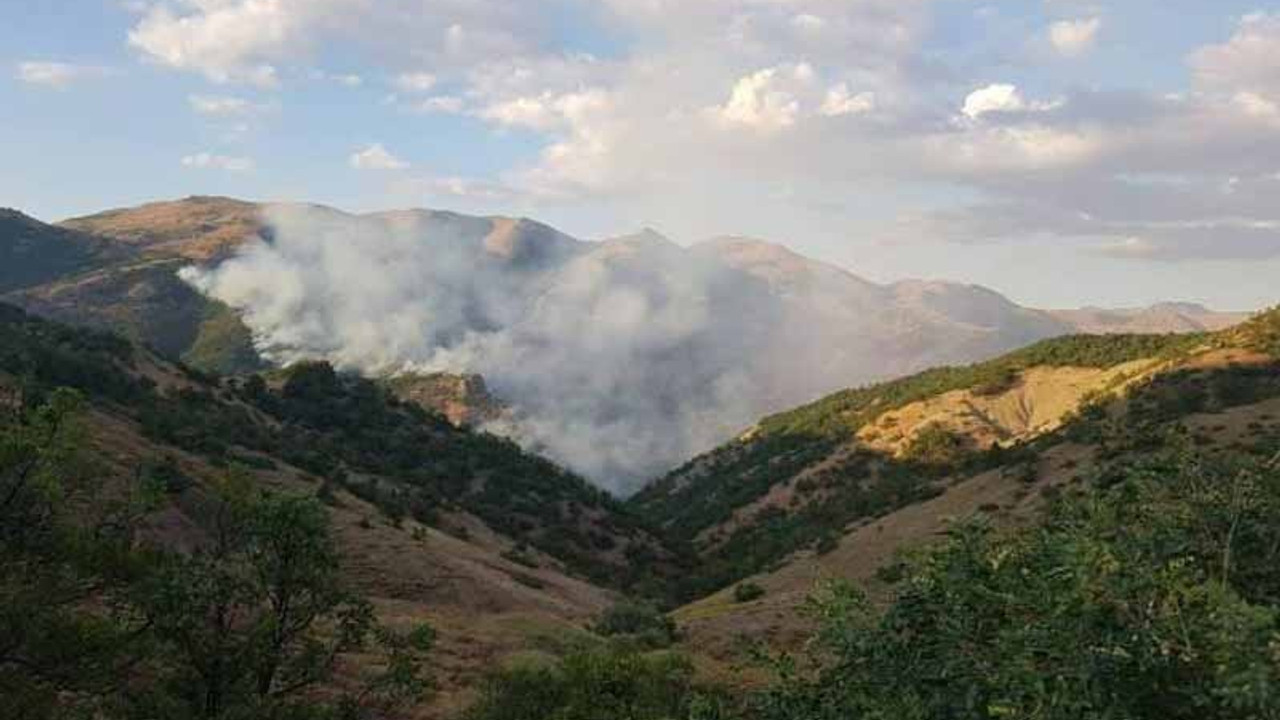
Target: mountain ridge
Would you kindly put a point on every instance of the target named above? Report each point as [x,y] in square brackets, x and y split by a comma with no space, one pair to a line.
[719,328]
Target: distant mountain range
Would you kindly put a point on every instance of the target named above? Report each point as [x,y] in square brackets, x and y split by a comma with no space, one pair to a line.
[644,351]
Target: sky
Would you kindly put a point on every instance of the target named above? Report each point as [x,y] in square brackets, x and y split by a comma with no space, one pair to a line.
[1063,152]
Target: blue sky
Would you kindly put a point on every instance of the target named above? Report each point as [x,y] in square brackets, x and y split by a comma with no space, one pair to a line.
[1061,151]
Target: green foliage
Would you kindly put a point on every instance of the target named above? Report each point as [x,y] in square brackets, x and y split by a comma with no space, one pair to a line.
[936,446]
[256,617]
[712,489]
[747,592]
[222,344]
[847,411]
[347,430]
[61,546]
[1155,597]
[640,621]
[1261,333]
[613,683]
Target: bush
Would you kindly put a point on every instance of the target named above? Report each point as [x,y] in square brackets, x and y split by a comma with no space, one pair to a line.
[1154,597]
[592,685]
[642,621]
[747,592]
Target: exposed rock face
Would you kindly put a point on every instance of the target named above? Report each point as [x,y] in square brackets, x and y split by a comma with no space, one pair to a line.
[464,399]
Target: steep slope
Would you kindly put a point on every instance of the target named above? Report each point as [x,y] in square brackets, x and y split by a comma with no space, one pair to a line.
[499,549]
[801,479]
[198,228]
[899,462]
[32,253]
[464,400]
[117,270]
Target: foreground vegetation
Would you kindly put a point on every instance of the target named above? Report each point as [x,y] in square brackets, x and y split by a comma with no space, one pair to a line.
[1154,595]
[99,620]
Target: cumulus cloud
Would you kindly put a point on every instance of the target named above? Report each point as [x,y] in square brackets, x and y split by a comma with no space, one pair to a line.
[58,74]
[993,98]
[1074,37]
[765,99]
[1247,63]
[376,157]
[257,41]
[213,161]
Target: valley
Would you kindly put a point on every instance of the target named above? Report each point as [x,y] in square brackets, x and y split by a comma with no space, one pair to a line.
[926,407]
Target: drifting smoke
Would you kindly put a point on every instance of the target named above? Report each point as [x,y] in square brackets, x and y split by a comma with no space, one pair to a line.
[622,358]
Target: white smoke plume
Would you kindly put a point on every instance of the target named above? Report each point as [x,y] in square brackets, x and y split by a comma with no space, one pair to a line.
[622,358]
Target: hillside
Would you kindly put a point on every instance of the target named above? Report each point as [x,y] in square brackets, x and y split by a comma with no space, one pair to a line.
[802,481]
[32,253]
[500,550]
[198,228]
[619,358]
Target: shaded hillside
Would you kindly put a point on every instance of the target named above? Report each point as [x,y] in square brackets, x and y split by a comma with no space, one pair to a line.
[340,430]
[130,284]
[800,480]
[32,253]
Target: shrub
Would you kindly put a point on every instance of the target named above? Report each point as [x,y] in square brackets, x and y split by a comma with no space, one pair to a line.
[747,592]
[591,685]
[1152,597]
[639,620]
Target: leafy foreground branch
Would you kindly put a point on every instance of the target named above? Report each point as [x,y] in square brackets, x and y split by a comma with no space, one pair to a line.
[251,622]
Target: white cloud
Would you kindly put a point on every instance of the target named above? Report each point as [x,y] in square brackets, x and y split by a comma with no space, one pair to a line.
[840,101]
[999,97]
[415,82]
[211,161]
[1248,62]
[221,105]
[766,99]
[376,157]
[713,106]
[1073,38]
[57,74]
[442,104]
[261,41]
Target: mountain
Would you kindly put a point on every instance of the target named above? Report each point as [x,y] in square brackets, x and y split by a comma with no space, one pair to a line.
[32,253]
[1159,318]
[198,228]
[618,358]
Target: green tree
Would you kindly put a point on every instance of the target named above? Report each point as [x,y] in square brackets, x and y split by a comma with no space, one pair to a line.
[641,621]
[1153,597]
[65,555]
[253,622]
